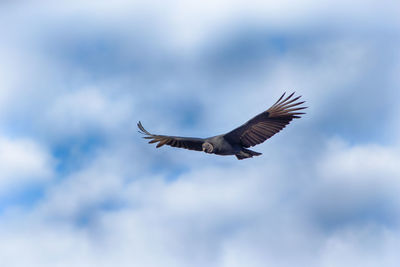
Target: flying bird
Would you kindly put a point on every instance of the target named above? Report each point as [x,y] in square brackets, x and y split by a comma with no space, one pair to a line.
[236,142]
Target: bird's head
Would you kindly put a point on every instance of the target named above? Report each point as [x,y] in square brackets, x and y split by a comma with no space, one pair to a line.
[207,147]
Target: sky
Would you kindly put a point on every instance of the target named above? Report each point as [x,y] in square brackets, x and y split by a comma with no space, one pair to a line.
[79,187]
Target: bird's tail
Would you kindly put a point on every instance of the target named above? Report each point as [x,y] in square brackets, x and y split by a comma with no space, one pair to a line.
[247,153]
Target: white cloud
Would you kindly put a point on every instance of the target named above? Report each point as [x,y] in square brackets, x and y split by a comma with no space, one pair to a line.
[23,161]
[361,163]
[361,173]
[87,109]
[366,246]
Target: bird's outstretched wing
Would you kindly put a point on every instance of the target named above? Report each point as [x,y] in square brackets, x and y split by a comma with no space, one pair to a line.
[174,141]
[266,124]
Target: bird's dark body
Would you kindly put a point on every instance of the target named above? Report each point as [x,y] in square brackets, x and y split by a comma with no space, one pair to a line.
[237,141]
[222,147]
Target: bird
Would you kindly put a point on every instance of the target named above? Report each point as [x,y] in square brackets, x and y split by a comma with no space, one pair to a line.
[236,142]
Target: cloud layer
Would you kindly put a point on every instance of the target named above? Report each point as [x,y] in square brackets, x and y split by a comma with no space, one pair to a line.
[79,187]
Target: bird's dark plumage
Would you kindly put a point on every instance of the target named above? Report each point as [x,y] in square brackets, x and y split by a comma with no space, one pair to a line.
[174,141]
[266,124]
[253,132]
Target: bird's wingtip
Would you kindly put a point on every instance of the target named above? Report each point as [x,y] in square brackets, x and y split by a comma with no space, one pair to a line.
[142,130]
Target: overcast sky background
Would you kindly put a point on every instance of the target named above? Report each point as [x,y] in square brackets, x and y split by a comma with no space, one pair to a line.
[78,187]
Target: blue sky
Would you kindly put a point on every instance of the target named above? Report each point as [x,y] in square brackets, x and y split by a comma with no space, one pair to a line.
[79,187]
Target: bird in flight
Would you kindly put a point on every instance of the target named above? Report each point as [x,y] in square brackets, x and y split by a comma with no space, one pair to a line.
[236,142]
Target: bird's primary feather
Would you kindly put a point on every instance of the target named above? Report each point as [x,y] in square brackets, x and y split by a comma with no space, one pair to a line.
[266,124]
